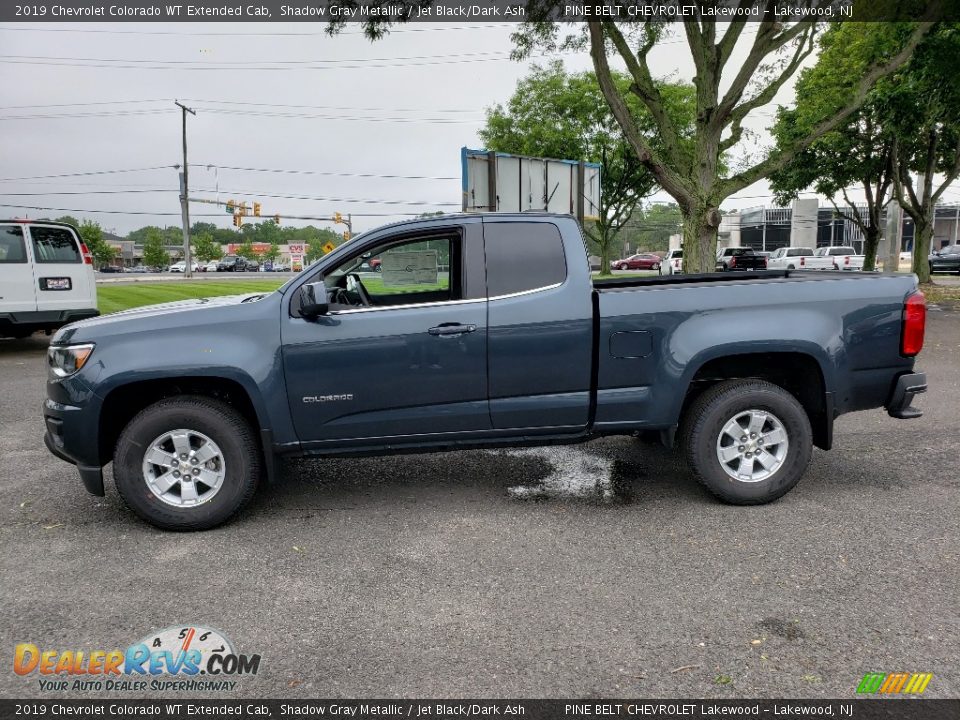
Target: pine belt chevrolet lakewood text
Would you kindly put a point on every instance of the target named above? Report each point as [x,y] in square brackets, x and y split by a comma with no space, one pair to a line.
[476,330]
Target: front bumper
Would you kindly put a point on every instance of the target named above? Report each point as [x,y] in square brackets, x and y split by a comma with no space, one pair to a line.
[906,388]
[56,416]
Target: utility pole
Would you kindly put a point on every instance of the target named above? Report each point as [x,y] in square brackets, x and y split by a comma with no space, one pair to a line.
[185,195]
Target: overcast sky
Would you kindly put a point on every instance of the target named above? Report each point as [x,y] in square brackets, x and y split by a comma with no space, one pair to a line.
[404,105]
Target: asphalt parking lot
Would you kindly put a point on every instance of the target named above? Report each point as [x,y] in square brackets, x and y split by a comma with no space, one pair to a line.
[600,570]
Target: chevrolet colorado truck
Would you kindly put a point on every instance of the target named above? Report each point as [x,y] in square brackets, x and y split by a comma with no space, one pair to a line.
[476,331]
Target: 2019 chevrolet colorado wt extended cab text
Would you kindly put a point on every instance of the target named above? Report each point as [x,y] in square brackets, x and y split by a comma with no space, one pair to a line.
[478,330]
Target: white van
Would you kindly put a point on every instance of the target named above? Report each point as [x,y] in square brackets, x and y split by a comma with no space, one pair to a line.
[46,277]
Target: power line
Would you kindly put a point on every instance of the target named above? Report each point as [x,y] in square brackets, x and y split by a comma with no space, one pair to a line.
[243,34]
[106,113]
[92,172]
[242,64]
[210,68]
[211,215]
[326,173]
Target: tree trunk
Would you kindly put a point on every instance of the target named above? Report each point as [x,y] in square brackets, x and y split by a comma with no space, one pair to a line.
[922,238]
[700,225]
[871,241]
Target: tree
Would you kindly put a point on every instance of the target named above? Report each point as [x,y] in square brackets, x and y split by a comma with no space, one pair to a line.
[860,153]
[246,249]
[272,253]
[559,115]
[92,235]
[923,102]
[69,219]
[205,248]
[154,252]
[690,166]
[650,228]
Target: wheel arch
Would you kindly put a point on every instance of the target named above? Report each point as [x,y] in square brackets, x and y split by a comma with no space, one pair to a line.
[125,400]
[799,373]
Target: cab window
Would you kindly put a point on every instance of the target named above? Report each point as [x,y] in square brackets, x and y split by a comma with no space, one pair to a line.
[406,272]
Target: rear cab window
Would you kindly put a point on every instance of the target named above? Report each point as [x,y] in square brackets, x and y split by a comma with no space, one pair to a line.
[12,248]
[54,245]
[522,257]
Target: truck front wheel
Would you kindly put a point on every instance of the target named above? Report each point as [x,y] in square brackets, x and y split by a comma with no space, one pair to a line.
[748,441]
[187,463]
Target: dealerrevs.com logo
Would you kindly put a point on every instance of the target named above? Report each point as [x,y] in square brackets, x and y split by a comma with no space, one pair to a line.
[178,658]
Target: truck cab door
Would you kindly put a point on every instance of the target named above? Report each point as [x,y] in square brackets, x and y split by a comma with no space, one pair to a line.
[401,356]
[18,293]
[540,345]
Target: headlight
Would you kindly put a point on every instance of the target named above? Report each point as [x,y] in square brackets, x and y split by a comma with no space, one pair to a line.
[65,360]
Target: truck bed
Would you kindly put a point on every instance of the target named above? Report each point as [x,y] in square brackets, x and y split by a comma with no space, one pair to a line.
[616,283]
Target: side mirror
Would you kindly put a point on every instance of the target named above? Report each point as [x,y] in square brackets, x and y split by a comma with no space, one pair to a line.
[314,300]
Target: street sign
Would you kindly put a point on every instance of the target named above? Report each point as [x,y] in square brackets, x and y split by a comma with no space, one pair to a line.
[329,248]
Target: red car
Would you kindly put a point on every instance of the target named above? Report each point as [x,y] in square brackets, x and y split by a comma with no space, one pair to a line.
[643,261]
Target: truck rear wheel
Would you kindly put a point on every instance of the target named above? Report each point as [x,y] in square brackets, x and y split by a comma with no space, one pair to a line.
[187,463]
[748,441]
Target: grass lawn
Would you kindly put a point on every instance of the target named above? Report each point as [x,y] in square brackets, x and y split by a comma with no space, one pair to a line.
[936,293]
[122,296]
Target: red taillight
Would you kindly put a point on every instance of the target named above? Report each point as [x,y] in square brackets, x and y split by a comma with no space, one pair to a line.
[87,257]
[803,261]
[846,260]
[733,261]
[764,263]
[914,324]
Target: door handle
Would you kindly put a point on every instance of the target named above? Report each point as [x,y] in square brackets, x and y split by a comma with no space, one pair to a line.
[452,329]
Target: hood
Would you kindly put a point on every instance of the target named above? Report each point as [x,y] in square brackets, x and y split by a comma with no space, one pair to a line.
[114,322]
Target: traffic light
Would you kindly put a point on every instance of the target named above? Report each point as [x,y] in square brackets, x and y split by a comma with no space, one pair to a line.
[256,209]
[337,218]
[346,234]
[237,220]
[243,209]
[276,218]
[231,205]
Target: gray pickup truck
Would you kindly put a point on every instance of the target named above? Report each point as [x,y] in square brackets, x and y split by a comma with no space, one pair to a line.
[475,331]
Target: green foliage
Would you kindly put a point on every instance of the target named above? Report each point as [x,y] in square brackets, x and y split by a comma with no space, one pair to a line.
[272,253]
[650,228]
[556,114]
[92,235]
[246,249]
[69,219]
[154,250]
[317,239]
[205,248]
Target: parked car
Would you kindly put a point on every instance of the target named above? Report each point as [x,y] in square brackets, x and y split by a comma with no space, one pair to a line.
[253,265]
[798,258]
[673,263]
[210,266]
[844,257]
[46,277]
[516,343]
[641,261]
[281,267]
[945,260]
[137,269]
[231,263]
[182,267]
[739,258]
[111,269]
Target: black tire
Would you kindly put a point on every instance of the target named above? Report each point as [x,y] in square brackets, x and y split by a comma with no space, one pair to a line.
[624,267]
[219,422]
[705,419]
[656,266]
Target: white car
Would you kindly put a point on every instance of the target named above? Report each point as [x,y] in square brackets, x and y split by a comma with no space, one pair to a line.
[844,257]
[798,258]
[672,263]
[46,277]
[182,267]
[210,266]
